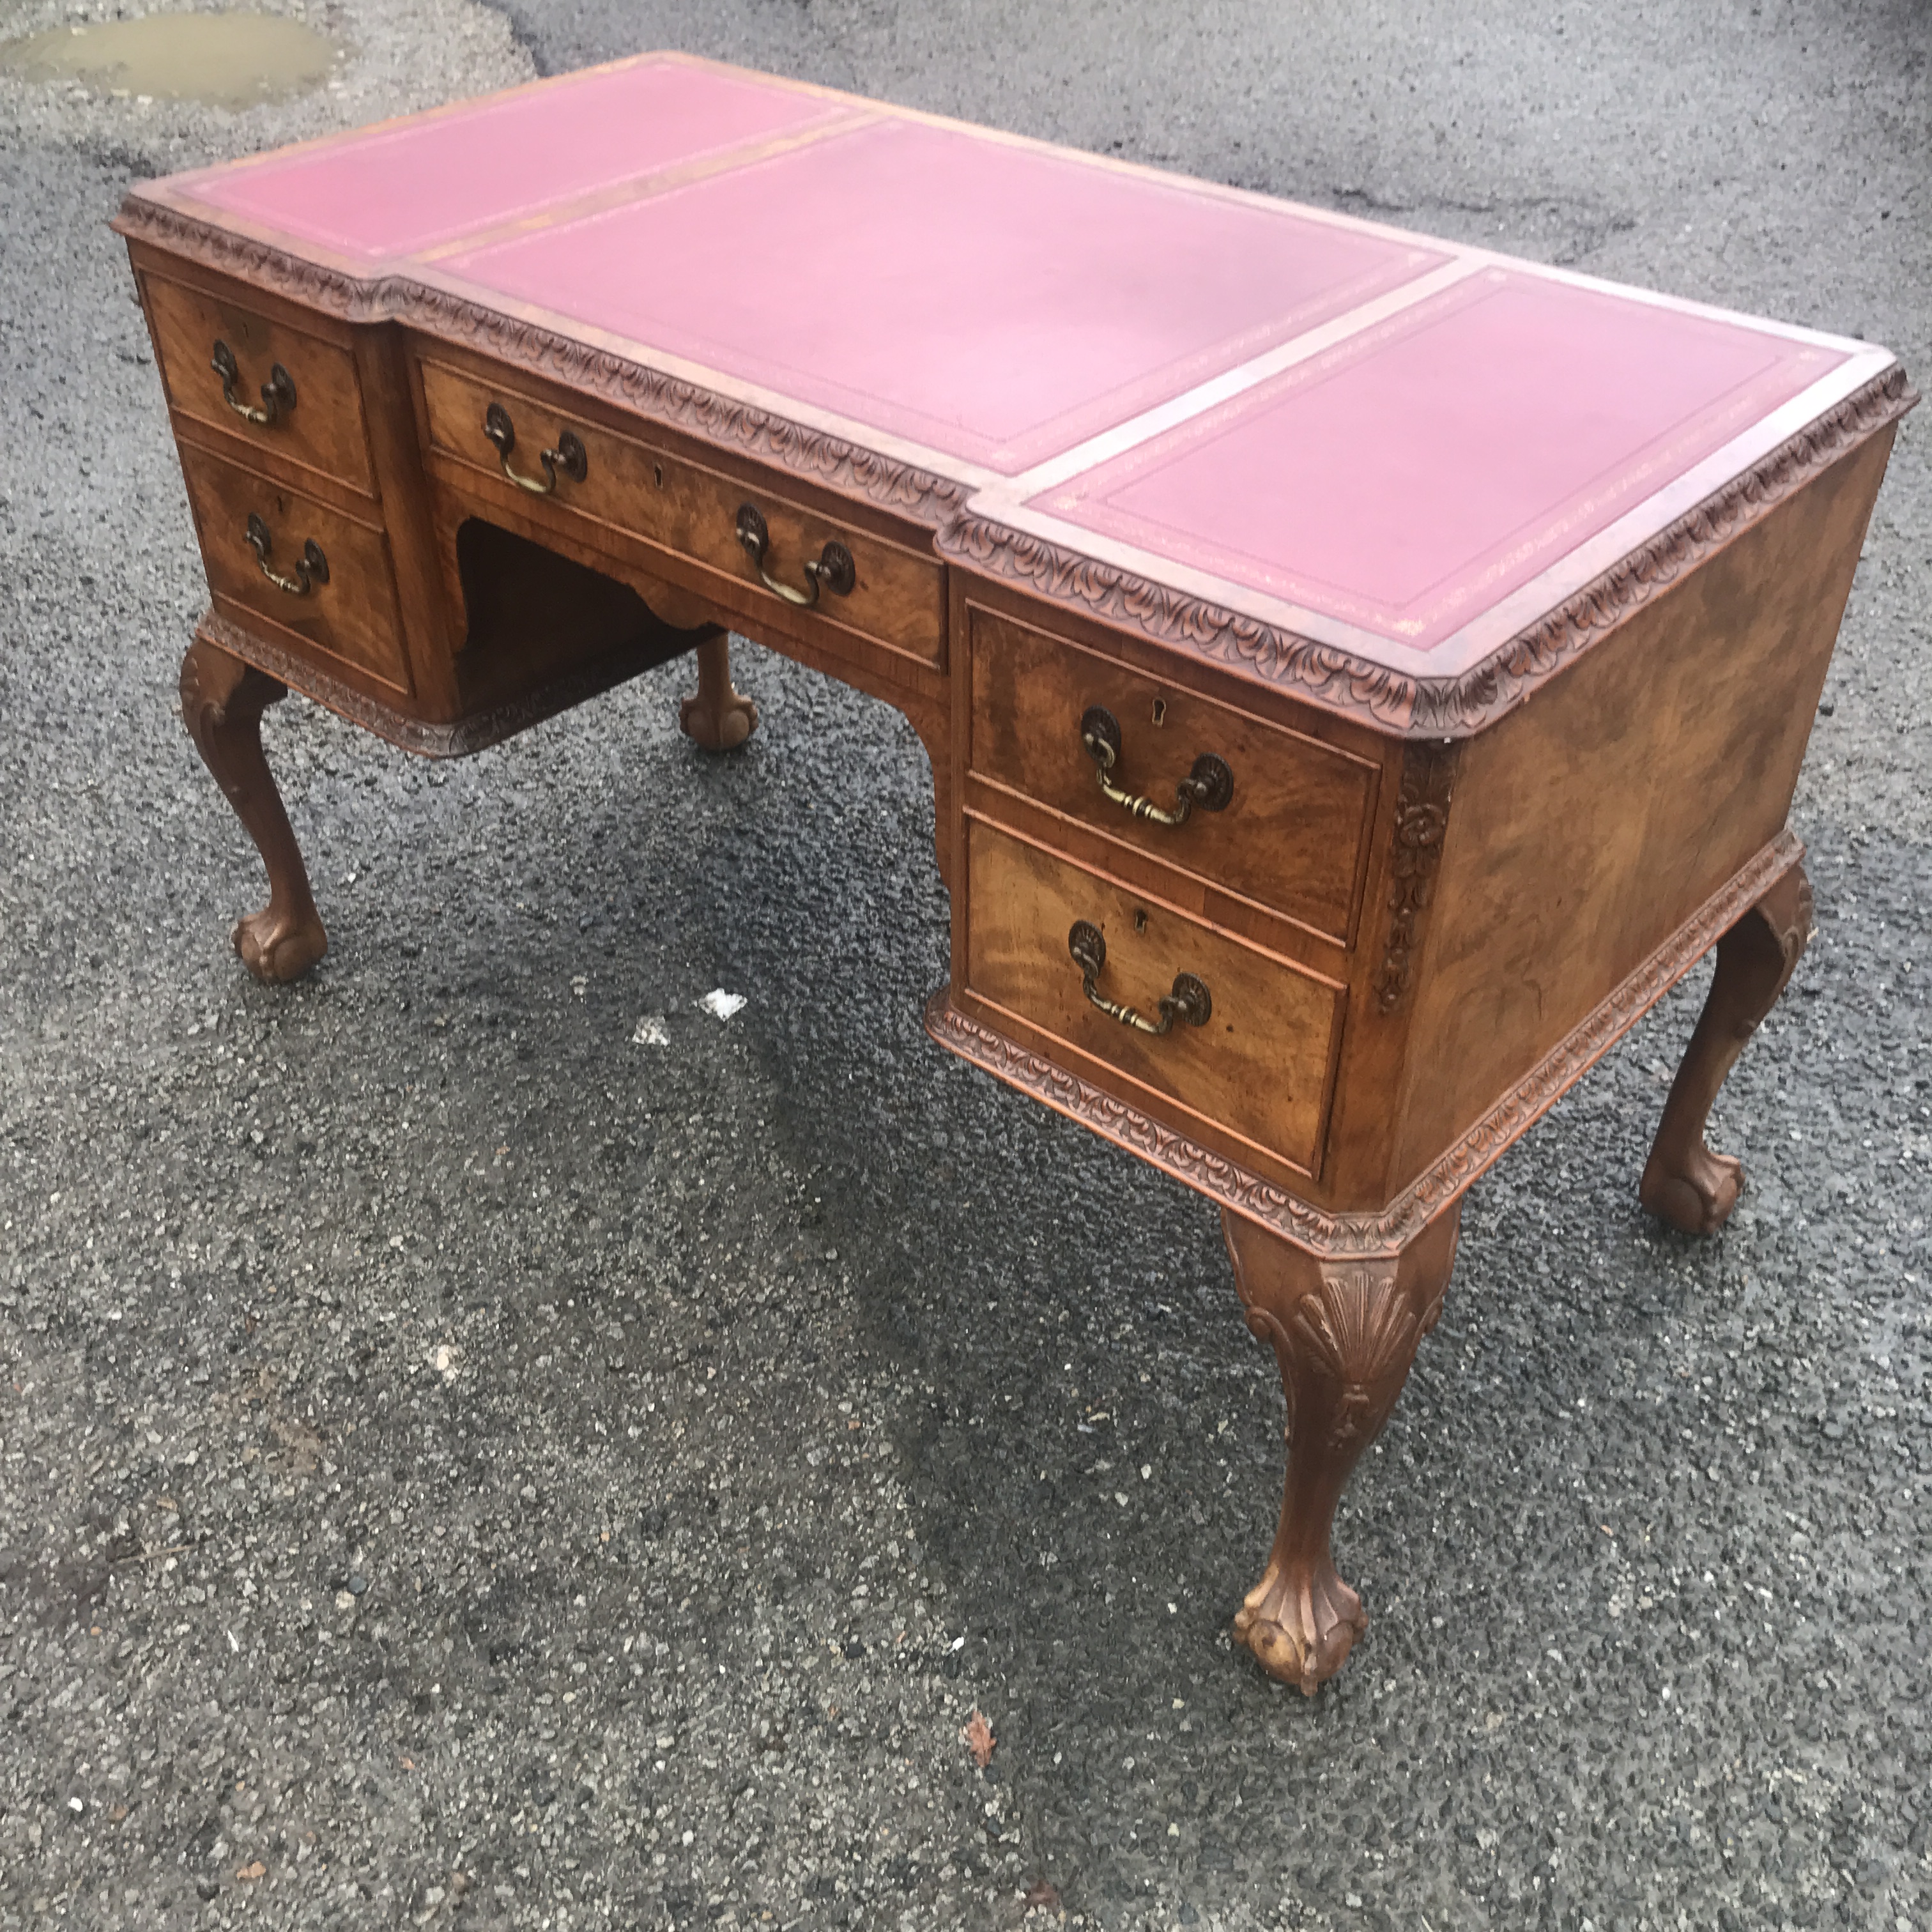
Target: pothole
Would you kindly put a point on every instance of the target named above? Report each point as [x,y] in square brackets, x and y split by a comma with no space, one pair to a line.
[227,60]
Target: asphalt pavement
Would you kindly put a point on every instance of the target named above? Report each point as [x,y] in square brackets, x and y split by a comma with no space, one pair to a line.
[484,1441]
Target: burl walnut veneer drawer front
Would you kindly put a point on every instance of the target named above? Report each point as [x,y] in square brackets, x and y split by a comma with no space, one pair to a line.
[310,568]
[1250,1040]
[290,393]
[849,577]
[1268,814]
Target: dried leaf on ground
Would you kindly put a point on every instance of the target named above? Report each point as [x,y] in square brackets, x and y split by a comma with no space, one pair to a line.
[303,1444]
[979,1739]
[257,1869]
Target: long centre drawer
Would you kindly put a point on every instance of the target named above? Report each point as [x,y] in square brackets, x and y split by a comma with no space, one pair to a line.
[633,490]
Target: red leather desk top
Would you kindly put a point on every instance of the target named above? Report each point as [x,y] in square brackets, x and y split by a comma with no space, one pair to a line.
[1404,448]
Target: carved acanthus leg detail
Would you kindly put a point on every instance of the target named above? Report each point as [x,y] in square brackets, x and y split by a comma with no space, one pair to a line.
[719,717]
[1344,1331]
[1684,1182]
[222,702]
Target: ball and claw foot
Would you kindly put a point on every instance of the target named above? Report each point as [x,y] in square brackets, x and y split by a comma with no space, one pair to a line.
[718,717]
[1300,1636]
[1697,1199]
[1685,1183]
[222,702]
[276,946]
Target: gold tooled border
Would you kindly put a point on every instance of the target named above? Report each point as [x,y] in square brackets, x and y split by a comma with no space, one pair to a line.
[1425,707]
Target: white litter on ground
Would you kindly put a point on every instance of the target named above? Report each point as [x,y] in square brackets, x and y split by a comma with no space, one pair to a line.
[722,1004]
[651,1031]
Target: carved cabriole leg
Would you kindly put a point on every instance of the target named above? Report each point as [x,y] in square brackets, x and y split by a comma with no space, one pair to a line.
[1684,1182]
[1344,1331]
[222,702]
[719,717]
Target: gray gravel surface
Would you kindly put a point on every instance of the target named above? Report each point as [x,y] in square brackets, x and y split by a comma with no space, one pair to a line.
[461,1462]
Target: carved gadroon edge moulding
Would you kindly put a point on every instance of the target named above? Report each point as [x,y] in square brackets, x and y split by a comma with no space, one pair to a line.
[811,454]
[1424,707]
[1386,1232]
[1415,707]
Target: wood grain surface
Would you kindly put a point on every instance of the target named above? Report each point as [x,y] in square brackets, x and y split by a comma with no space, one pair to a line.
[1589,826]
[1291,835]
[1261,1063]
[352,619]
[324,431]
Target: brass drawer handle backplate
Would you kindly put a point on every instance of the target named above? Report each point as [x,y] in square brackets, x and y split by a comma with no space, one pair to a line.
[278,392]
[1211,785]
[311,567]
[569,455]
[1189,1000]
[832,569]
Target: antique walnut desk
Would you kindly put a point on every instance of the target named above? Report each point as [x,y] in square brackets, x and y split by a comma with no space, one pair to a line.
[1360,674]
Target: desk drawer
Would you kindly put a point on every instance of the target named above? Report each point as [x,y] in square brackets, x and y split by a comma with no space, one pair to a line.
[1292,833]
[343,608]
[315,415]
[892,594]
[1260,1066]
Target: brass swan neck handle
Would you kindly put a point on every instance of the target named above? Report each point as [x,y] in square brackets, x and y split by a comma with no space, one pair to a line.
[569,455]
[832,569]
[1210,785]
[311,567]
[1189,1000]
[278,392]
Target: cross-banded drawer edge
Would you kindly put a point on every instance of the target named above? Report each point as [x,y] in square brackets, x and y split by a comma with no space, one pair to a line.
[1250,1043]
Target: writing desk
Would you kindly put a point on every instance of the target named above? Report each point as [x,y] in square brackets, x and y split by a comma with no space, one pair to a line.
[1360,674]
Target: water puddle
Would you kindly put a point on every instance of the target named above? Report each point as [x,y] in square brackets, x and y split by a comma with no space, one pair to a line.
[228,60]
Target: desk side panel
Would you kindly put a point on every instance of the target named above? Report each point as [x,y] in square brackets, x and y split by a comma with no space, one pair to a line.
[1591,824]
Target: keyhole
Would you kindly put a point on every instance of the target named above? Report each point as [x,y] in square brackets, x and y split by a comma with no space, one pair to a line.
[657,474]
[1160,711]
[1140,921]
